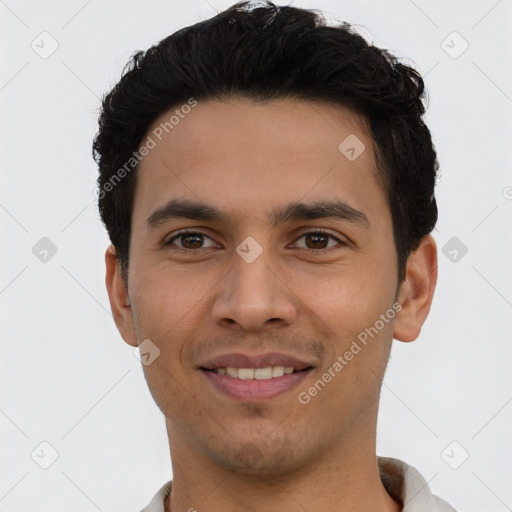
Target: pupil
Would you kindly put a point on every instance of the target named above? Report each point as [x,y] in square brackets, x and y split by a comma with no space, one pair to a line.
[318,241]
[192,241]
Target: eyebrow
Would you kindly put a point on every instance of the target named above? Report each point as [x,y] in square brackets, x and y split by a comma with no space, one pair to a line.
[297,211]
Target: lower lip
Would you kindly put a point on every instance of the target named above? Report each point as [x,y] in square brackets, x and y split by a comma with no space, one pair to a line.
[255,390]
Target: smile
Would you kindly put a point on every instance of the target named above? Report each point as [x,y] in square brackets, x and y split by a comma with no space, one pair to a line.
[266,373]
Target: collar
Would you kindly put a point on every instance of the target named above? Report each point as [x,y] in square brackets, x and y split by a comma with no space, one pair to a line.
[402,482]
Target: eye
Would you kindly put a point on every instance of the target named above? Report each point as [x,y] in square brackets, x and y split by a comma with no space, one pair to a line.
[191,240]
[317,240]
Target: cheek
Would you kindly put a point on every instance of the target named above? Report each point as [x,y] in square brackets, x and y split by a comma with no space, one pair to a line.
[169,300]
[167,305]
[348,298]
[171,306]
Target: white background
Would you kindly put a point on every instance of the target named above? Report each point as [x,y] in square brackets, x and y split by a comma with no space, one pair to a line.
[67,377]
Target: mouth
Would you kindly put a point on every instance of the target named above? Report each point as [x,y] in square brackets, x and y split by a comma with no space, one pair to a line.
[268,372]
[257,378]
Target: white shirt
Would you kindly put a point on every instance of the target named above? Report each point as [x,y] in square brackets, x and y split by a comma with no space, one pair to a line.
[401,481]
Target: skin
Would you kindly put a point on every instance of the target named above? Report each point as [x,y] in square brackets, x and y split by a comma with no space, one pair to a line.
[248,158]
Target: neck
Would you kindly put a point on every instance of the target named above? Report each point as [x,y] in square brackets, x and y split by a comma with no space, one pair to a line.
[346,477]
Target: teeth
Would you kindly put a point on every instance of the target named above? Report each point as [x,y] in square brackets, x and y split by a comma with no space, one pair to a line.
[232,372]
[256,373]
[246,373]
[277,371]
[263,373]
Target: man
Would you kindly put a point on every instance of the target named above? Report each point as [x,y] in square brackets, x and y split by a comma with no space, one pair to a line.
[267,183]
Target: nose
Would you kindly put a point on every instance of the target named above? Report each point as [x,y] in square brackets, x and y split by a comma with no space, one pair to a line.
[254,296]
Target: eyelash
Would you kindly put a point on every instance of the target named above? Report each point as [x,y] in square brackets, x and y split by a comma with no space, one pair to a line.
[319,231]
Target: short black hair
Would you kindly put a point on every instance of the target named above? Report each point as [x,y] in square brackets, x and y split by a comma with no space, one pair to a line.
[260,51]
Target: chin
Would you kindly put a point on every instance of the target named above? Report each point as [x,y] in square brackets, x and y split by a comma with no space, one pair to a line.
[265,459]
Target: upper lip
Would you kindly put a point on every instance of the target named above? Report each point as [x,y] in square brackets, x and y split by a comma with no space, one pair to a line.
[240,360]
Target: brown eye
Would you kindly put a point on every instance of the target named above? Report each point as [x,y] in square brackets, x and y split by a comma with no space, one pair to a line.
[191,241]
[317,240]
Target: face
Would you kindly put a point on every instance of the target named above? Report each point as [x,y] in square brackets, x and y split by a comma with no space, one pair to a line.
[258,245]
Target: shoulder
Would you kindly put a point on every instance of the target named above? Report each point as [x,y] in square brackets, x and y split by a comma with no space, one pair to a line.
[157,503]
[406,484]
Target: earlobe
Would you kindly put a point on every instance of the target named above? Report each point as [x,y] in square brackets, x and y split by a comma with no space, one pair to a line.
[417,290]
[118,296]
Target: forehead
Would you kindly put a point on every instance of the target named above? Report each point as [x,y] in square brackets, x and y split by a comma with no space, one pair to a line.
[241,154]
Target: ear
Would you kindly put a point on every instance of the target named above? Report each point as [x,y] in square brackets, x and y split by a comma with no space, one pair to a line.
[119,299]
[417,290]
